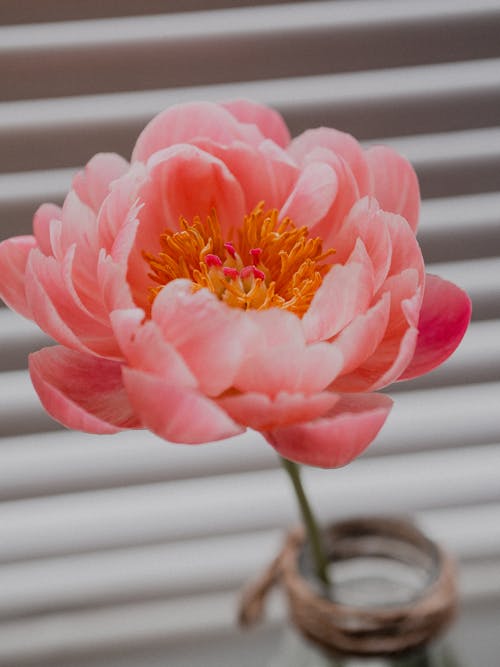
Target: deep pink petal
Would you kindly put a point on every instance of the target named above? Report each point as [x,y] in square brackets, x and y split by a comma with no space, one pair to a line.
[210,336]
[346,291]
[394,183]
[92,184]
[41,225]
[262,413]
[14,255]
[444,318]
[337,438]
[182,182]
[187,122]
[312,195]
[81,391]
[339,143]
[269,121]
[177,413]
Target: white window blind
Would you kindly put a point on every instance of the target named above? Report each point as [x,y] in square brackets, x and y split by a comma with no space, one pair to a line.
[125,550]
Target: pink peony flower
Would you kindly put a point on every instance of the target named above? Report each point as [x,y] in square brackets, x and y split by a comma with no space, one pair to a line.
[230,278]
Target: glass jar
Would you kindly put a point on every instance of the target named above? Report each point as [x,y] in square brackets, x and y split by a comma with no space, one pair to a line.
[393,594]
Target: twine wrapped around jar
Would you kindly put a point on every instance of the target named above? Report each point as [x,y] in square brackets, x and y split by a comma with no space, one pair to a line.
[372,629]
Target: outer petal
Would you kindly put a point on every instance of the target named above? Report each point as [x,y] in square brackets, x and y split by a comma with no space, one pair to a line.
[337,438]
[177,413]
[346,291]
[394,183]
[14,254]
[263,413]
[444,318]
[269,121]
[396,350]
[186,122]
[41,225]
[92,184]
[367,222]
[81,391]
[363,335]
[58,310]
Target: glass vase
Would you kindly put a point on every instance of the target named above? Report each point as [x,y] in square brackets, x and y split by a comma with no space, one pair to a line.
[392,595]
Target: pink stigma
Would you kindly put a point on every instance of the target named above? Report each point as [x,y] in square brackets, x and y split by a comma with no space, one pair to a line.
[252,271]
[229,272]
[231,250]
[256,253]
[212,260]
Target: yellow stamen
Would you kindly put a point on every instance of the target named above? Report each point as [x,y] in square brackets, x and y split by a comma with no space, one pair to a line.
[268,263]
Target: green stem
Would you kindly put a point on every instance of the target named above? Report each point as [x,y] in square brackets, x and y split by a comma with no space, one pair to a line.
[313,532]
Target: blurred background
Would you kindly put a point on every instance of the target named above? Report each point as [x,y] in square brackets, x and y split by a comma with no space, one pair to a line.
[123,551]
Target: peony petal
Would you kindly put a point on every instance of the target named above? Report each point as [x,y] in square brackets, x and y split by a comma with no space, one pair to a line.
[406,253]
[210,336]
[14,255]
[145,348]
[394,183]
[177,413]
[41,225]
[120,207]
[444,318]
[312,196]
[57,309]
[363,335]
[92,184]
[262,413]
[81,391]
[396,350]
[264,175]
[186,182]
[337,438]
[367,222]
[113,287]
[341,144]
[269,121]
[187,122]
[346,291]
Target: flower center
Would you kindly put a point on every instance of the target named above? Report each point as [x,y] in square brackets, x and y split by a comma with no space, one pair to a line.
[266,263]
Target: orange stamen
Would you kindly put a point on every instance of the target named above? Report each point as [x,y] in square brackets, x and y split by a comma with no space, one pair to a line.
[287,265]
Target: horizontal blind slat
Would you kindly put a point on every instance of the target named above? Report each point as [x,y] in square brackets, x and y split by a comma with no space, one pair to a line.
[135,53]
[61,462]
[197,567]
[188,509]
[169,625]
[452,163]
[453,96]
[32,11]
